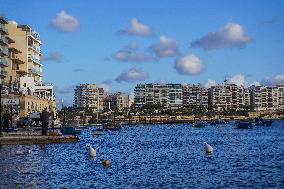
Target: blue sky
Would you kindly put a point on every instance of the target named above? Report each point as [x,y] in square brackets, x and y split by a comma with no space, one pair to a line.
[118,44]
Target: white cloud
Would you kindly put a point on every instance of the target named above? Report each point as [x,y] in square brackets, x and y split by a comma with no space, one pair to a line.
[130,53]
[166,47]
[189,65]
[231,35]
[53,57]
[64,22]
[278,79]
[210,83]
[239,80]
[105,86]
[255,83]
[137,28]
[132,75]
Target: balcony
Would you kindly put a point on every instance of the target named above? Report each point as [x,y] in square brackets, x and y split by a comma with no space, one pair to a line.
[3,51]
[3,62]
[3,73]
[35,71]
[34,59]
[16,59]
[34,35]
[3,40]
[34,48]
[3,29]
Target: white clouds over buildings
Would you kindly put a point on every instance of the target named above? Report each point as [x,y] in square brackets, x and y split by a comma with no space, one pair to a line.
[132,75]
[64,22]
[239,80]
[166,47]
[189,65]
[231,35]
[210,83]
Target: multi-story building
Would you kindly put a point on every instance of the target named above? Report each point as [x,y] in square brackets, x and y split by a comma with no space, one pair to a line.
[220,97]
[175,95]
[117,101]
[228,96]
[89,96]
[266,98]
[194,96]
[21,81]
[3,49]
[167,95]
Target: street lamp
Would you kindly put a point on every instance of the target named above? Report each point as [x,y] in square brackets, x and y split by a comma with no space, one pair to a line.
[0,109]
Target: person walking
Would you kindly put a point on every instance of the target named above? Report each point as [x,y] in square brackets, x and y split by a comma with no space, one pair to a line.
[52,120]
[44,117]
[6,121]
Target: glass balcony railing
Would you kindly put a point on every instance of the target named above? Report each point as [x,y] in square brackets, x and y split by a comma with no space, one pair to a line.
[37,49]
[3,73]
[4,50]
[4,61]
[3,28]
[34,59]
[35,71]
[3,39]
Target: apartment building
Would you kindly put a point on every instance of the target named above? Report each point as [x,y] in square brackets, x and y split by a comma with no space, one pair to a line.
[228,96]
[267,97]
[167,95]
[89,96]
[23,69]
[117,101]
[194,96]
[280,96]
[3,49]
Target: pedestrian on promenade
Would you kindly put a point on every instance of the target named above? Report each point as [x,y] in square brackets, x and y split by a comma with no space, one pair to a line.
[44,117]
[52,120]
[6,121]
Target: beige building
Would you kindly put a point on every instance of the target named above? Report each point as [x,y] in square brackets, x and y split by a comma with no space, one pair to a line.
[267,98]
[194,96]
[3,49]
[117,101]
[228,96]
[89,96]
[23,69]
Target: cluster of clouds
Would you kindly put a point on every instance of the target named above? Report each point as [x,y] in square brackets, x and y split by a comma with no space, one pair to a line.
[242,80]
[231,35]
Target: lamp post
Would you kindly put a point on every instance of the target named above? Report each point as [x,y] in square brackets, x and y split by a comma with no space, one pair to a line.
[1,109]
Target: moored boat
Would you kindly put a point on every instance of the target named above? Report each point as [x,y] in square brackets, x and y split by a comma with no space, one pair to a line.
[70,130]
[199,124]
[243,124]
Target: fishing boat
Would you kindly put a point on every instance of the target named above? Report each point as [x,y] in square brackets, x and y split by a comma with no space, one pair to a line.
[71,128]
[263,122]
[218,122]
[112,126]
[199,124]
[243,124]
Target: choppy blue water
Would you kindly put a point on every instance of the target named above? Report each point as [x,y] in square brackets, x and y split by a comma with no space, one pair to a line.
[153,156]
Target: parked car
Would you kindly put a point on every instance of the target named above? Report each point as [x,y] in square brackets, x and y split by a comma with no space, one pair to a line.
[24,122]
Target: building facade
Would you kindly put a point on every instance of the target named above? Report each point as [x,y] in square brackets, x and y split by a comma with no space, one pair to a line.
[194,96]
[23,69]
[169,96]
[223,97]
[89,96]
[117,102]
[3,49]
